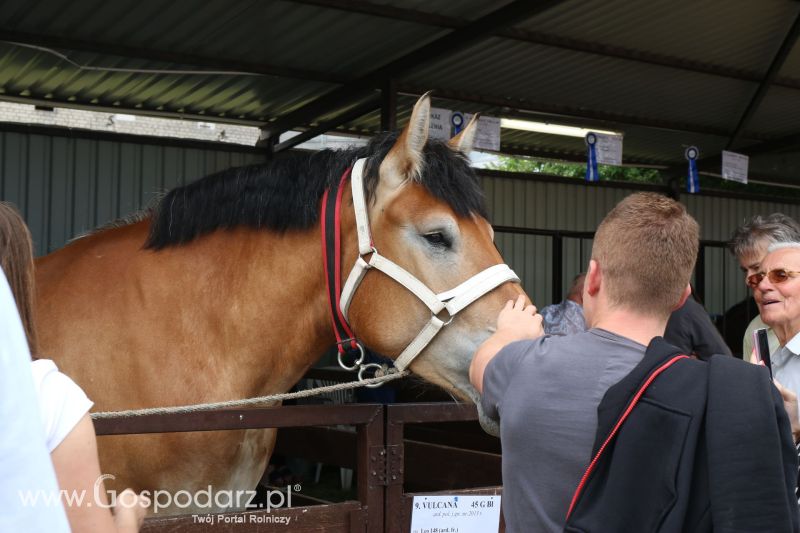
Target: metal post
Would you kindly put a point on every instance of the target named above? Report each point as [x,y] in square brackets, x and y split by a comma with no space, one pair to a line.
[370,469]
[389,106]
[700,274]
[558,266]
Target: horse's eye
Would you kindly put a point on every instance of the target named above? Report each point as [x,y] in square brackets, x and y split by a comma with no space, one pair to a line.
[437,238]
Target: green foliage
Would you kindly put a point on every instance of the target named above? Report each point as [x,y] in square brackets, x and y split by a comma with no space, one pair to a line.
[577,170]
[634,174]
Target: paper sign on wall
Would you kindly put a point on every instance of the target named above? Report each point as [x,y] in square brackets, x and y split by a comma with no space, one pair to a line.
[455,514]
[440,127]
[488,135]
[609,149]
[734,166]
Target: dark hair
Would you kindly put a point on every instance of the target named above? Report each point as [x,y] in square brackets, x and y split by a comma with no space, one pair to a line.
[286,192]
[16,259]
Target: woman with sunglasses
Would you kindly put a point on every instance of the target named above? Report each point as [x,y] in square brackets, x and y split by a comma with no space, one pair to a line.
[749,245]
[778,282]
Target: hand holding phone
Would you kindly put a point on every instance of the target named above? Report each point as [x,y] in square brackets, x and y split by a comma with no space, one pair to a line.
[761,345]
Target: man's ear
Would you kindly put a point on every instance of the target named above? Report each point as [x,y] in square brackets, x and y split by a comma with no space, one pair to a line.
[687,291]
[594,278]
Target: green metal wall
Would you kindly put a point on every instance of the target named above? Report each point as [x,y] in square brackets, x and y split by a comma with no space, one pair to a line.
[578,207]
[67,185]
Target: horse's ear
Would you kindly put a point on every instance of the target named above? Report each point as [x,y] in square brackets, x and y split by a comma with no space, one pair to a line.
[404,160]
[464,140]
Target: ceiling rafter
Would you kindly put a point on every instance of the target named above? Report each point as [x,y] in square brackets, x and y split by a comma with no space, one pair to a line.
[713,162]
[556,110]
[429,19]
[769,78]
[371,104]
[545,39]
[456,40]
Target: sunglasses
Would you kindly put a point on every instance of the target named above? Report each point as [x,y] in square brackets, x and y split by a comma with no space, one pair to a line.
[777,275]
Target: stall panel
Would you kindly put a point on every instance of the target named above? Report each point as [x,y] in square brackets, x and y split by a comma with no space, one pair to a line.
[66,186]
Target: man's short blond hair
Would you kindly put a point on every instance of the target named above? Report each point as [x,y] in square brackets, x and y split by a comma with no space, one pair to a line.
[646,248]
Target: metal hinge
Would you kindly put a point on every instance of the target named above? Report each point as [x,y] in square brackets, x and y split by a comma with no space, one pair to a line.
[386,465]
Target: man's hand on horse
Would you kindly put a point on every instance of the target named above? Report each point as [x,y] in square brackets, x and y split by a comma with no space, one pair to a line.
[517,321]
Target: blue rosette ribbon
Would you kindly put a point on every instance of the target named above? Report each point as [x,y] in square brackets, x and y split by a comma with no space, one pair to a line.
[693,179]
[591,158]
[457,121]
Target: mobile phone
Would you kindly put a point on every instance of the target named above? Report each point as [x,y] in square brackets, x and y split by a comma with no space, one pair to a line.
[762,348]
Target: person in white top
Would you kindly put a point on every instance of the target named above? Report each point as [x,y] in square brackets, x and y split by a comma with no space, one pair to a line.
[63,408]
[25,467]
[749,245]
[779,282]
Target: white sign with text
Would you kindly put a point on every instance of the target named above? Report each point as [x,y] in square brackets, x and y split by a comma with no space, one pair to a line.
[488,135]
[734,166]
[440,126]
[609,149]
[455,514]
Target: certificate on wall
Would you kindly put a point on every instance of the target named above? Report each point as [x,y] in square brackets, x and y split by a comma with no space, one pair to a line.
[609,149]
[734,166]
[440,124]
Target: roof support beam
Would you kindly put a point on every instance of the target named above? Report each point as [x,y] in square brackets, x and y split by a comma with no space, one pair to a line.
[393,13]
[389,106]
[441,47]
[775,67]
[522,108]
[712,163]
[545,39]
[789,142]
[350,115]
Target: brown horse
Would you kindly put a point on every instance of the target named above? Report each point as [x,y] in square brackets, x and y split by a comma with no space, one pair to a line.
[219,293]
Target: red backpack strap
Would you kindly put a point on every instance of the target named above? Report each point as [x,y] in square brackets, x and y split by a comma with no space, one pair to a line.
[615,430]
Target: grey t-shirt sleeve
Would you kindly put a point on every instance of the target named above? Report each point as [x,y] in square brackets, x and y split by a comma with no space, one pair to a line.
[498,375]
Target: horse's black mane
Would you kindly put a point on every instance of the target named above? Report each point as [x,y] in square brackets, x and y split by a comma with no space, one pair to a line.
[285,193]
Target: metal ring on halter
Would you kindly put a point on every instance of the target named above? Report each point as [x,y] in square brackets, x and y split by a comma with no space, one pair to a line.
[358,361]
[372,250]
[377,368]
[448,322]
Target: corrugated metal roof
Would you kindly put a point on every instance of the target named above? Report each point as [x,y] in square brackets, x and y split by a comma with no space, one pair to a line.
[666,72]
[738,33]
[542,75]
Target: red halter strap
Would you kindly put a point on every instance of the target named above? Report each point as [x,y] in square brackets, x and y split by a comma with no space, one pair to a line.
[615,430]
[331,254]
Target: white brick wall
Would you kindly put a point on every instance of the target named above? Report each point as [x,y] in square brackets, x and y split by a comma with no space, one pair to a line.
[122,123]
[157,127]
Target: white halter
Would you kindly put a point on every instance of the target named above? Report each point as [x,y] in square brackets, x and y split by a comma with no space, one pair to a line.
[453,300]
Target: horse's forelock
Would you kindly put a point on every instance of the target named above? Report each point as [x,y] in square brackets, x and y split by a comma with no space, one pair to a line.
[284,194]
[445,173]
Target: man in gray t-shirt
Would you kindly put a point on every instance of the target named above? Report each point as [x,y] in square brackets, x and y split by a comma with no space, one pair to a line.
[544,391]
[547,449]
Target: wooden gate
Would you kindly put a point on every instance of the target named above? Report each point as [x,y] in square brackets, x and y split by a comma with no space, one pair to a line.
[378,451]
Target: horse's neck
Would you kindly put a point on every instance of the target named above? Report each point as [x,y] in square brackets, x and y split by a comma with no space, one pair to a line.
[247,306]
[269,299]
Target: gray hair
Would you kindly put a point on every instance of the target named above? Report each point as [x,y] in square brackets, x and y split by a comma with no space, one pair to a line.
[774,228]
[781,245]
